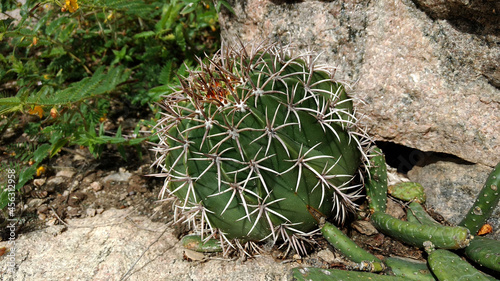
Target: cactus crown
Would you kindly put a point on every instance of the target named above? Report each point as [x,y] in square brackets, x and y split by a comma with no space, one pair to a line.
[256,137]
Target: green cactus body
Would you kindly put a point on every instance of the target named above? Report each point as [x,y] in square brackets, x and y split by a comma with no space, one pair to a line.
[350,249]
[255,137]
[417,214]
[376,184]
[318,274]
[486,202]
[409,269]
[448,266]
[484,251]
[196,243]
[446,237]
[408,191]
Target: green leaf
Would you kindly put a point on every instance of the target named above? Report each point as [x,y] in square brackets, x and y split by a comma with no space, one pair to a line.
[145,34]
[41,153]
[189,8]
[25,176]
[122,152]
[166,73]
[56,147]
[225,4]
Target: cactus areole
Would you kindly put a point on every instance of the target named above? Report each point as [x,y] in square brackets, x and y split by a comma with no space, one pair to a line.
[253,138]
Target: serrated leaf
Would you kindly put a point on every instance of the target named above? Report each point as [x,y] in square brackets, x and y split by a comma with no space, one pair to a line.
[166,73]
[41,152]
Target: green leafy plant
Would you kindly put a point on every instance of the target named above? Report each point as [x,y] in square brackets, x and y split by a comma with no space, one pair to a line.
[65,64]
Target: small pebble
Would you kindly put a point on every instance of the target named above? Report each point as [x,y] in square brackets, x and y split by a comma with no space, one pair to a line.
[96,186]
[42,209]
[65,173]
[364,227]
[90,212]
[39,182]
[327,256]
[123,196]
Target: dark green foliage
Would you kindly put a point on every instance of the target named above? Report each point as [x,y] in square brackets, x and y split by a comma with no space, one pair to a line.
[69,66]
[409,269]
[417,214]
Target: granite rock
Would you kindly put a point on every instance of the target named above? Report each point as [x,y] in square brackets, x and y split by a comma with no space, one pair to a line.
[117,245]
[422,80]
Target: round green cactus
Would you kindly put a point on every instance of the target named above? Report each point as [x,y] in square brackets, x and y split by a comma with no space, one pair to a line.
[253,138]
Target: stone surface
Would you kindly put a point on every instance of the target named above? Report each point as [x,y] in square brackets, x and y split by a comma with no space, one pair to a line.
[107,247]
[470,16]
[452,188]
[423,81]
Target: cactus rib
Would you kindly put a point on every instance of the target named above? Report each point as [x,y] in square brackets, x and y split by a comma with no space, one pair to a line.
[485,203]
[416,234]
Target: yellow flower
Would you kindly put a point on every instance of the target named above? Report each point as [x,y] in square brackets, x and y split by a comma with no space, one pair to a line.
[71,6]
[40,171]
[37,110]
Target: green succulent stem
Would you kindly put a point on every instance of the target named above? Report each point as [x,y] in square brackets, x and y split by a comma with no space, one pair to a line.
[253,138]
[446,237]
[486,202]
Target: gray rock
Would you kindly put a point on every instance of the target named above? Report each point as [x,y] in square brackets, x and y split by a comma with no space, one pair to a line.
[122,176]
[423,82]
[107,246]
[472,16]
[452,188]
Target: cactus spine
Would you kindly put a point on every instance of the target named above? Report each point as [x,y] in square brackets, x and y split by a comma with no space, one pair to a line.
[253,138]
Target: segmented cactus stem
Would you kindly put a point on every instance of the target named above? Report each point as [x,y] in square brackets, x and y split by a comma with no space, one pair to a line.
[446,237]
[486,202]
[376,183]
